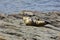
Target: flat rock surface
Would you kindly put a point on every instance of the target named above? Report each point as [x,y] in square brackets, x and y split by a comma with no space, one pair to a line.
[12,27]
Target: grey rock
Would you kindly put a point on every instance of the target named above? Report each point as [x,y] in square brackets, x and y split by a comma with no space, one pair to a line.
[12,27]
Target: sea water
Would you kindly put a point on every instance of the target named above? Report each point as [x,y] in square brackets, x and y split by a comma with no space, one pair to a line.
[15,6]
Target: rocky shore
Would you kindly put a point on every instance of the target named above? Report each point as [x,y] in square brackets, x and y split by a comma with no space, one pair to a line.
[12,26]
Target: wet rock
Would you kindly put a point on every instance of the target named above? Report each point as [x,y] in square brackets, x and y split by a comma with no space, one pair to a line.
[27,13]
[2,16]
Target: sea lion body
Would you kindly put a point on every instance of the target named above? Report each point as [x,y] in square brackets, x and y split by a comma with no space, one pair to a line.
[29,21]
[40,23]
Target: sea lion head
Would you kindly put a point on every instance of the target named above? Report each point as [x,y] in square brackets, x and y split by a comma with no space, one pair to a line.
[27,20]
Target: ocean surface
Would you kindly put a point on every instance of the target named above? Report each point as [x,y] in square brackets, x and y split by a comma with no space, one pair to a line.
[15,6]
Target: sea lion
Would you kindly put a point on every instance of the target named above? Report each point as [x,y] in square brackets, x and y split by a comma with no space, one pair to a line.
[31,22]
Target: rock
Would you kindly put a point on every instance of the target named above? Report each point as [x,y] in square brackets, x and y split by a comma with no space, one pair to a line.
[58,38]
[2,38]
[2,16]
[52,27]
[12,26]
[27,13]
[58,13]
[58,19]
[17,16]
[49,25]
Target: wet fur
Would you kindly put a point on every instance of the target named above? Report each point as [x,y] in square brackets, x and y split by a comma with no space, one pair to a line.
[29,21]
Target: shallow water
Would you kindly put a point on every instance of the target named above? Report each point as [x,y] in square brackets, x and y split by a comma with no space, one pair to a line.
[14,6]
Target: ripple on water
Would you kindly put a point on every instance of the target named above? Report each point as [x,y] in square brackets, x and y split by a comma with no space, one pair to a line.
[11,6]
